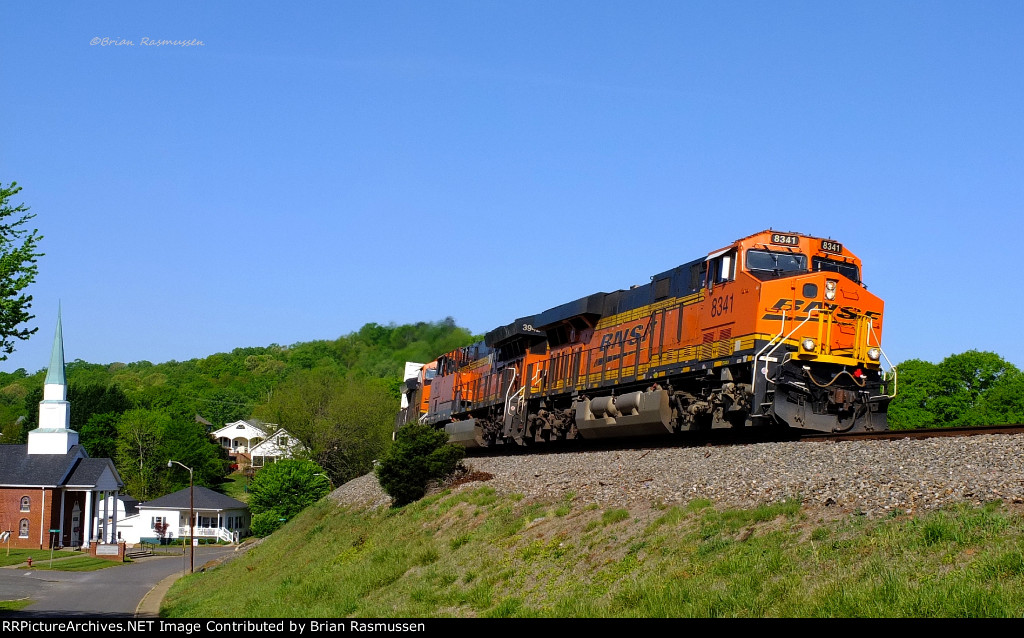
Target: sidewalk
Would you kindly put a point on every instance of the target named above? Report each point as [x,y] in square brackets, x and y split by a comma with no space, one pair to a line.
[149,606]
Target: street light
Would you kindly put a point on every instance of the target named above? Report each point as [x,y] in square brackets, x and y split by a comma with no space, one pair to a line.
[191,517]
[326,477]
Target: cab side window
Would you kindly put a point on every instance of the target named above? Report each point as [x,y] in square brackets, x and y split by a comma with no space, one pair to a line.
[721,268]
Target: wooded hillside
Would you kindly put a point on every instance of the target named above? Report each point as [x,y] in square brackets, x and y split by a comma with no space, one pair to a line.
[338,397]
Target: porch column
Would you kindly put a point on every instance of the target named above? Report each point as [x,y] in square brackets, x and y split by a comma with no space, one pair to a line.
[86,523]
[42,518]
[104,536]
[114,532]
[60,541]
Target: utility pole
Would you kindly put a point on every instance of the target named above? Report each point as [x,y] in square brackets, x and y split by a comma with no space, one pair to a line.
[191,518]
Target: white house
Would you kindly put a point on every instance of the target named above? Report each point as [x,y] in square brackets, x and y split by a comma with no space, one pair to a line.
[117,509]
[239,437]
[277,446]
[217,517]
[253,442]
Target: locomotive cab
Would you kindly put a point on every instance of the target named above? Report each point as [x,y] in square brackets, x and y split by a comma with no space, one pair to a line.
[818,361]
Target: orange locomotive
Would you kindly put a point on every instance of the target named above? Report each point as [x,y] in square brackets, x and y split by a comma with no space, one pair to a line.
[775,329]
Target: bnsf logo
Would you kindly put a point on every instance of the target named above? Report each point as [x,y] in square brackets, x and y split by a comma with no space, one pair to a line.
[627,341]
[629,336]
[789,305]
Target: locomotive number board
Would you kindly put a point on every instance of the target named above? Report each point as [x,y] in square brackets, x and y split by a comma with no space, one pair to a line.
[785,240]
[830,246]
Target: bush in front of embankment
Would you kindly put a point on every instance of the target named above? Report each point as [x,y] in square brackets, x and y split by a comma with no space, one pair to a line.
[420,453]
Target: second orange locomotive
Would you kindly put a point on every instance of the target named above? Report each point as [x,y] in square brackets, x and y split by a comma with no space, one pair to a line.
[776,329]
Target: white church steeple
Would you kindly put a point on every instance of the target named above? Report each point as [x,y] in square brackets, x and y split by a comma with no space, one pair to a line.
[54,435]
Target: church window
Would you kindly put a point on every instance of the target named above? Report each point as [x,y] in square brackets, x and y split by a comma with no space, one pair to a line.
[23,528]
[26,503]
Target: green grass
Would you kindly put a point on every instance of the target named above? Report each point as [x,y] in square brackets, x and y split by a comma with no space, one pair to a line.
[15,605]
[234,486]
[476,553]
[18,556]
[77,564]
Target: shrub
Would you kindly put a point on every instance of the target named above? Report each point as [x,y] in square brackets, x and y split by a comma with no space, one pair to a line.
[287,487]
[265,523]
[420,453]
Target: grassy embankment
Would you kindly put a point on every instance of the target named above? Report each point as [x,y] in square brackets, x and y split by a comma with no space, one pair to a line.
[474,553]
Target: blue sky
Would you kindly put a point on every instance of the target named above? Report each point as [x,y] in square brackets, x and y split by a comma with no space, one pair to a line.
[316,166]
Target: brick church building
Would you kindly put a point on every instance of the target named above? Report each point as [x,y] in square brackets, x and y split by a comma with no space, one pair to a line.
[51,492]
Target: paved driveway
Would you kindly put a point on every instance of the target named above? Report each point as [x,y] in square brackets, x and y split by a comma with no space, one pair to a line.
[114,591]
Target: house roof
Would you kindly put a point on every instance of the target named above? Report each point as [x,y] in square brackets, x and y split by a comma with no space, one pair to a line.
[272,442]
[205,499]
[255,425]
[90,471]
[131,505]
[18,467]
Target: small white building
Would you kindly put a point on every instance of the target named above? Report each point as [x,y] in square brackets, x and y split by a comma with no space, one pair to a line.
[239,437]
[117,508]
[255,443]
[277,446]
[217,517]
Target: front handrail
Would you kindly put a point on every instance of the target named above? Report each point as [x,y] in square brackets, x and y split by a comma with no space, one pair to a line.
[757,357]
[878,344]
[783,340]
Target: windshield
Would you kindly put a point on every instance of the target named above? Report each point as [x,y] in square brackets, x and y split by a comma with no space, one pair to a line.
[830,265]
[769,263]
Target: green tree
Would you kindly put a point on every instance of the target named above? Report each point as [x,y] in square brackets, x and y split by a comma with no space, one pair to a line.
[94,398]
[222,406]
[140,457]
[420,453]
[187,442]
[287,487]
[962,380]
[32,399]
[1003,402]
[18,269]
[344,424]
[916,387]
[98,435]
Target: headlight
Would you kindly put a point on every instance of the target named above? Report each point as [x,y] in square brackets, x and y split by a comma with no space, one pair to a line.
[830,289]
[808,345]
[874,353]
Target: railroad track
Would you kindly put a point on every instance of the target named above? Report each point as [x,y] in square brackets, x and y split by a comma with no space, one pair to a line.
[919,433]
[738,437]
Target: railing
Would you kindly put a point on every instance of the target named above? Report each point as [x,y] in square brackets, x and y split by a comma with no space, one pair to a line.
[221,533]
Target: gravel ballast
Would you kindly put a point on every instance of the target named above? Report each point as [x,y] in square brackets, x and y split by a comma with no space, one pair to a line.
[874,478]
